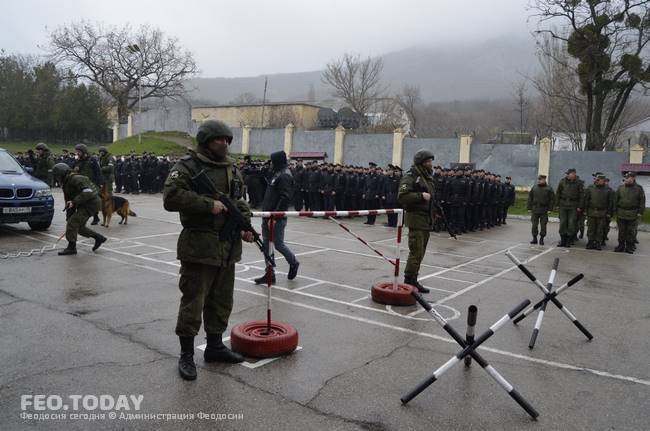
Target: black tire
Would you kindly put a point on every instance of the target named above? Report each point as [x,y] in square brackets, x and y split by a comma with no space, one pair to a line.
[39,225]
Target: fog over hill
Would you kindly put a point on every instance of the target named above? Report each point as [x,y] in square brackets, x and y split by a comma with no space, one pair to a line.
[444,72]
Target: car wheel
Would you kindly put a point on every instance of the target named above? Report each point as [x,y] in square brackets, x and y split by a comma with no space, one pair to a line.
[39,225]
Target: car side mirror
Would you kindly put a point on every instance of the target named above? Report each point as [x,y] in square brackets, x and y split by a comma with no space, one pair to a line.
[28,169]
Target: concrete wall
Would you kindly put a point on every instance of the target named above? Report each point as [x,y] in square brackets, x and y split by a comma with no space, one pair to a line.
[235,146]
[266,141]
[314,140]
[586,163]
[164,119]
[446,151]
[304,116]
[360,149]
[518,161]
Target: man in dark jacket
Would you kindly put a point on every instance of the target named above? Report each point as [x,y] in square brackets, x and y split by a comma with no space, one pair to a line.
[509,198]
[277,197]
[89,167]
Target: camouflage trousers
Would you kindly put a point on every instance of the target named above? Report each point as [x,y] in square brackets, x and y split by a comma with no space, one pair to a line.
[418,240]
[76,223]
[568,221]
[626,229]
[541,220]
[206,291]
[596,228]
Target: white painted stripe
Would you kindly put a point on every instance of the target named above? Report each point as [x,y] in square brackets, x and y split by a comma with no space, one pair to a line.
[540,361]
[445,367]
[316,283]
[499,323]
[499,378]
[538,322]
[156,252]
[151,236]
[360,299]
[280,257]
[460,265]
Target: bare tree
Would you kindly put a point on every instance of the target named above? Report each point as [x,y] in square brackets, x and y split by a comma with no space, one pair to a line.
[355,81]
[106,57]
[280,116]
[410,100]
[607,42]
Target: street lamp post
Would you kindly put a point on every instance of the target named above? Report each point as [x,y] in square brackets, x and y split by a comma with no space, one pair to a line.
[136,49]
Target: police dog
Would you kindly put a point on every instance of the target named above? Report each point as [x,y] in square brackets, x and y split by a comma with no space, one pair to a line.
[114,204]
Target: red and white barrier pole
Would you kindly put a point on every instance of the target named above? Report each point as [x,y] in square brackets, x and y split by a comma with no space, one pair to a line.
[398,251]
[269,274]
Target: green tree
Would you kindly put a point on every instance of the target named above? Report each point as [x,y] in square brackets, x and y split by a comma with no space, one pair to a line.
[608,39]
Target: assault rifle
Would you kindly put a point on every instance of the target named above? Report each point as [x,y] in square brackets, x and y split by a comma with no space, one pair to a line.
[235,220]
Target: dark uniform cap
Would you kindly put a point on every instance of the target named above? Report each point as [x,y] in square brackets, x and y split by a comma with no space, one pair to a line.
[630,174]
[600,176]
[212,129]
[541,177]
[422,156]
[103,149]
[570,170]
[372,164]
[41,146]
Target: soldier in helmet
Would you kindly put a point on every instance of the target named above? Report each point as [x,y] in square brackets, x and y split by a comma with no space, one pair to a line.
[107,167]
[89,167]
[207,254]
[81,202]
[416,190]
[43,164]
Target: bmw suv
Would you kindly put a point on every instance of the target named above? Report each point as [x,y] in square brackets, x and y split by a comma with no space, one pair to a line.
[23,198]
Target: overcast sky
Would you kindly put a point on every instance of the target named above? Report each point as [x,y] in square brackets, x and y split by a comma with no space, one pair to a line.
[255,37]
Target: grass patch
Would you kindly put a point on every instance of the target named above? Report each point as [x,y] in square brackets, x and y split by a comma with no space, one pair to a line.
[521,201]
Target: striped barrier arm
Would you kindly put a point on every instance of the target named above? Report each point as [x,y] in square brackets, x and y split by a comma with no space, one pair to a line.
[547,298]
[472,311]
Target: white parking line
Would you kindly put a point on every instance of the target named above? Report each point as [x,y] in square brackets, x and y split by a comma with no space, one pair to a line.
[460,265]
[307,286]
[280,257]
[553,364]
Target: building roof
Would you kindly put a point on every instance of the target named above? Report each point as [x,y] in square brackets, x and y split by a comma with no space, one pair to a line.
[307,155]
[259,104]
[636,167]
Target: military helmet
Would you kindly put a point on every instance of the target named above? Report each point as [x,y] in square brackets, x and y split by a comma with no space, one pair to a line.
[60,169]
[81,147]
[103,149]
[41,146]
[212,129]
[422,156]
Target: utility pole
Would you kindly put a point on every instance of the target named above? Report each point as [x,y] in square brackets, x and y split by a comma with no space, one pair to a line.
[266,81]
[136,49]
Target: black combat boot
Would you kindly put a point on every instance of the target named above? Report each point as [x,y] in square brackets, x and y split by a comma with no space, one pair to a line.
[413,281]
[534,241]
[186,365]
[216,351]
[541,240]
[95,219]
[562,242]
[597,245]
[262,279]
[620,248]
[70,249]
[590,245]
[99,240]
[629,247]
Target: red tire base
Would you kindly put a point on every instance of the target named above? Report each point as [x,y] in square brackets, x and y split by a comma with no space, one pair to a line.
[384,293]
[253,340]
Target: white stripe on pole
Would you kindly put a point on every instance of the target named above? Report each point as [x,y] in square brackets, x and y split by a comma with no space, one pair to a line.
[499,323]
[499,378]
[538,322]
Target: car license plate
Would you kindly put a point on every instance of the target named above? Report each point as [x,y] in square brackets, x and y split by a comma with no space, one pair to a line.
[16,210]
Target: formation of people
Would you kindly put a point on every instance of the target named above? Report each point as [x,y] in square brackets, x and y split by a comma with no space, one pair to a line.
[596,204]
[470,199]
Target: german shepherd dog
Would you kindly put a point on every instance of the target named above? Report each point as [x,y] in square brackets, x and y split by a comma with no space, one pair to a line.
[114,204]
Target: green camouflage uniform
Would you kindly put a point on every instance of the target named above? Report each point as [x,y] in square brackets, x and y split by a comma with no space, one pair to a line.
[598,205]
[107,167]
[630,205]
[207,261]
[569,198]
[43,168]
[418,215]
[82,192]
[540,202]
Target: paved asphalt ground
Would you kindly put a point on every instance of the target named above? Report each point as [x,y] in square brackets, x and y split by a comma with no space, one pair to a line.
[103,323]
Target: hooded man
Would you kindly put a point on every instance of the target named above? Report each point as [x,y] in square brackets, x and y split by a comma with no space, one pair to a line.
[277,198]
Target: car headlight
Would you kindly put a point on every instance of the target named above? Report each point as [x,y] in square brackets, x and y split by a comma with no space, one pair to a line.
[43,193]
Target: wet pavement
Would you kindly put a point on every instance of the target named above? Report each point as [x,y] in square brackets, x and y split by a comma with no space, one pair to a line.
[103,324]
